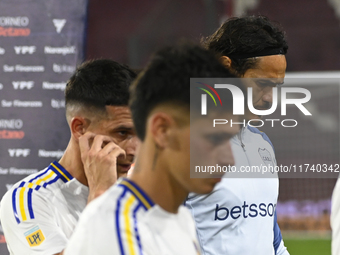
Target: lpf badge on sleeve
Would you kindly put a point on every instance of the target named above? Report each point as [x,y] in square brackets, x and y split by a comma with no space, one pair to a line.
[34,236]
[266,157]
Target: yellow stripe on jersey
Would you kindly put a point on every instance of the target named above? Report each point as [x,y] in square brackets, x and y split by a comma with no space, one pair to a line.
[40,180]
[22,195]
[137,193]
[129,227]
[61,172]
[21,204]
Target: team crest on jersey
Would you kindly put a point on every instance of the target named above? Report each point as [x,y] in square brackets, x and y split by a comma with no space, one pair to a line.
[266,157]
[34,236]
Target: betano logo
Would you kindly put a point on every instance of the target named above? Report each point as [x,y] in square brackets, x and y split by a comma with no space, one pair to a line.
[8,26]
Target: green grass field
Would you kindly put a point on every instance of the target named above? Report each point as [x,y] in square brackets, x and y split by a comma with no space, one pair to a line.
[305,246]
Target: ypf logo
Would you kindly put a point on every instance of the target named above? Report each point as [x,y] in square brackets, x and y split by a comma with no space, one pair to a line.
[19,152]
[23,84]
[24,49]
[238,100]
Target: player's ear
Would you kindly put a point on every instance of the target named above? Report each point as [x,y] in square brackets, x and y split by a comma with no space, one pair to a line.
[79,126]
[161,125]
[226,61]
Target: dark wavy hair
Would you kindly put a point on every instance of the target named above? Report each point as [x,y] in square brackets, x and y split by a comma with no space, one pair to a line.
[246,35]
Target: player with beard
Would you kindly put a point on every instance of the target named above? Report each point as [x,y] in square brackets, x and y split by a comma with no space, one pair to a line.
[239,216]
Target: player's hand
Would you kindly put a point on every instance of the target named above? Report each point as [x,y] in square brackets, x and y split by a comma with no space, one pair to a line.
[99,156]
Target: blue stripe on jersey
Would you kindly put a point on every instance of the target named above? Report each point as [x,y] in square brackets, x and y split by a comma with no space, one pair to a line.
[277,234]
[63,170]
[13,202]
[59,175]
[264,136]
[117,222]
[140,194]
[51,181]
[136,228]
[39,175]
[29,201]
[119,214]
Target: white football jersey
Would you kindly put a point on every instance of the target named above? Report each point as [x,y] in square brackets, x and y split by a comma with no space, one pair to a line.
[335,219]
[239,216]
[124,220]
[39,213]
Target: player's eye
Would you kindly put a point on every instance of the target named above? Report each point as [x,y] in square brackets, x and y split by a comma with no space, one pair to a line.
[122,133]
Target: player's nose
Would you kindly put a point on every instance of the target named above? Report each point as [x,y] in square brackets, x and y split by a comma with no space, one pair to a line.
[131,146]
[268,95]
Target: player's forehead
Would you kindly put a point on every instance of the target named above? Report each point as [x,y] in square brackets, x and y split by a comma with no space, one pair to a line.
[117,112]
[110,119]
[117,116]
[270,67]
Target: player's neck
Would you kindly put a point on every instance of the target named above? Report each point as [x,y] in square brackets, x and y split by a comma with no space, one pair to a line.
[71,161]
[157,183]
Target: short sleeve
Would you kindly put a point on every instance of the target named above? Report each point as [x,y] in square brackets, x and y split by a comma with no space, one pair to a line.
[29,224]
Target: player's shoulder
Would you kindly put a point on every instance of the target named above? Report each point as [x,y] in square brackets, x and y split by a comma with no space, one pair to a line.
[118,211]
[183,210]
[34,192]
[108,202]
[121,199]
[261,134]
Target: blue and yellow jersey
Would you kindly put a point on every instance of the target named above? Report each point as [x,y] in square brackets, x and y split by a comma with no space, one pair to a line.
[129,203]
[125,221]
[22,194]
[39,213]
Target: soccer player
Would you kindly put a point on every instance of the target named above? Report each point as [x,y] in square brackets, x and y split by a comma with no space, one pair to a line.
[239,216]
[40,212]
[144,214]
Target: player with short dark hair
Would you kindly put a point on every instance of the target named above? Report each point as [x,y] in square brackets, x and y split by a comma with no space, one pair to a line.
[144,213]
[239,216]
[40,212]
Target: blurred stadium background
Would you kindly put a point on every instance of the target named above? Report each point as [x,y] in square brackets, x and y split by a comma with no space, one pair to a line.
[129,31]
